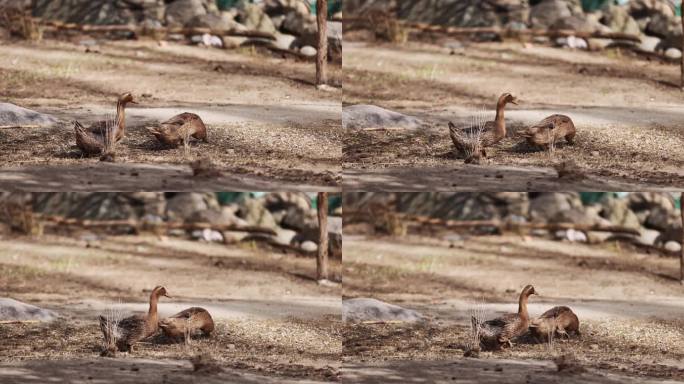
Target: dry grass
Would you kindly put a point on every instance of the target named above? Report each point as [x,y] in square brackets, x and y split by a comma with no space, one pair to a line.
[643,348]
[290,347]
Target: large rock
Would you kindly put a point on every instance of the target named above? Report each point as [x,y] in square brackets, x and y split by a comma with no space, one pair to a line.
[183,206]
[278,7]
[13,310]
[254,212]
[11,114]
[548,206]
[335,41]
[619,20]
[616,210]
[366,309]
[224,20]
[549,12]
[370,116]
[100,11]
[254,18]
[303,26]
[100,205]
[182,12]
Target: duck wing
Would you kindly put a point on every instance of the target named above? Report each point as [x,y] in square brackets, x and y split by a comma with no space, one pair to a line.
[90,143]
[133,328]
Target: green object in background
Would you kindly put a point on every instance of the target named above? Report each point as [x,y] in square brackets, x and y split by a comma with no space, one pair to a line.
[225,198]
[593,5]
[226,4]
[589,198]
[334,6]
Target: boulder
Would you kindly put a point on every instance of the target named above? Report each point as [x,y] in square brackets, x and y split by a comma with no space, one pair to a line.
[673,53]
[224,20]
[548,12]
[673,247]
[255,213]
[180,13]
[11,114]
[308,51]
[284,41]
[616,210]
[367,309]
[547,206]
[254,18]
[183,206]
[335,41]
[618,19]
[278,7]
[100,205]
[100,11]
[370,116]
[660,218]
[648,236]
[13,310]
[232,42]
[303,26]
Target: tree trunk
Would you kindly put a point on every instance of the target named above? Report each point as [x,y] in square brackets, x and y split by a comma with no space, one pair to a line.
[322,54]
[682,68]
[322,259]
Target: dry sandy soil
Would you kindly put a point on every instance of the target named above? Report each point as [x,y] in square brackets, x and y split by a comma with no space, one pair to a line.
[274,322]
[268,126]
[630,307]
[627,111]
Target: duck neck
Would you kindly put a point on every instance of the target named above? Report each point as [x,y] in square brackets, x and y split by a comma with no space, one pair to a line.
[121,116]
[152,312]
[499,121]
[522,306]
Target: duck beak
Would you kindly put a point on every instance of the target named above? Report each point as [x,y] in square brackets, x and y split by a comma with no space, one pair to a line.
[168,296]
[133,102]
[514,101]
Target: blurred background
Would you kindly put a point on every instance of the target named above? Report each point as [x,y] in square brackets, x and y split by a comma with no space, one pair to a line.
[418,267]
[250,259]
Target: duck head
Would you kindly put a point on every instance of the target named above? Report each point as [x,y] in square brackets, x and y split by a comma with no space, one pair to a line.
[529,290]
[159,291]
[126,98]
[508,98]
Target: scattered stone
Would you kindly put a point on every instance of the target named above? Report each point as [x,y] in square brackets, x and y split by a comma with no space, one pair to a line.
[13,115]
[673,53]
[308,50]
[13,310]
[367,309]
[370,116]
[673,246]
[309,246]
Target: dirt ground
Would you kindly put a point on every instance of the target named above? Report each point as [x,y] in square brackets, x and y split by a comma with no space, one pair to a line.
[627,111]
[274,323]
[267,124]
[629,303]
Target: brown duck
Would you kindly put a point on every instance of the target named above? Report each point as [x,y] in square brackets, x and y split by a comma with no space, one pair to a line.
[470,144]
[185,323]
[500,331]
[132,329]
[556,321]
[178,129]
[549,131]
[93,140]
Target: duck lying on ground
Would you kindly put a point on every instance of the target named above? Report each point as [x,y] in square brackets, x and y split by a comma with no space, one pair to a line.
[187,322]
[178,130]
[557,321]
